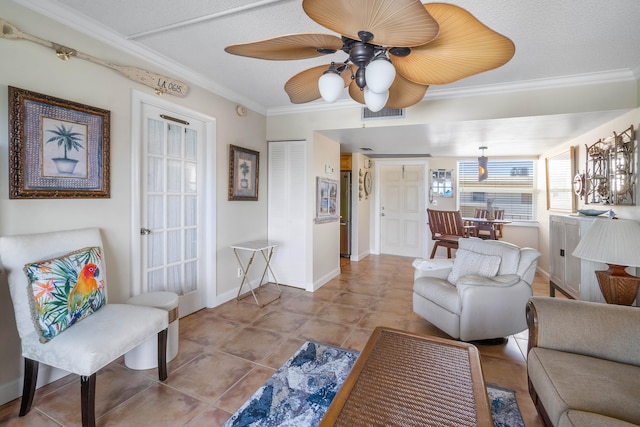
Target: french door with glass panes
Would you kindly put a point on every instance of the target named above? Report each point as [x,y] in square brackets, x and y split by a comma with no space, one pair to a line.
[172,205]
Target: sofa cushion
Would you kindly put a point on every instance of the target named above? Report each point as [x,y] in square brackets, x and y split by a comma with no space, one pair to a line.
[589,419]
[469,262]
[566,381]
[65,290]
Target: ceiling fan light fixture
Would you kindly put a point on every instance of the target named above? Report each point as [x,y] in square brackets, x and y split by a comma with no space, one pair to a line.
[330,85]
[375,101]
[380,74]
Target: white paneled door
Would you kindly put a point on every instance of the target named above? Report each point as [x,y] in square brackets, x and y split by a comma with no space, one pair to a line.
[402,210]
[172,205]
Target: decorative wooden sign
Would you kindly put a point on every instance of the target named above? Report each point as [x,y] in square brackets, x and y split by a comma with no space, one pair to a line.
[161,84]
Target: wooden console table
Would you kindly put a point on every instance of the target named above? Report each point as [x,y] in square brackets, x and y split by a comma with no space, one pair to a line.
[402,379]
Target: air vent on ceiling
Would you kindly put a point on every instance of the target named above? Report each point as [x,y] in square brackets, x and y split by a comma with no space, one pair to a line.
[385,113]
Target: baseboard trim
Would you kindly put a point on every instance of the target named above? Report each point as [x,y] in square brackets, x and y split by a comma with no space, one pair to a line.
[323,280]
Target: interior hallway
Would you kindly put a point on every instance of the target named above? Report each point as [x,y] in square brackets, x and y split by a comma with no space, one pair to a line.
[227,352]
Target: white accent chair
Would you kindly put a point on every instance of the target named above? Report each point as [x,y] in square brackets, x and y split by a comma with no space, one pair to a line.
[483,295]
[89,344]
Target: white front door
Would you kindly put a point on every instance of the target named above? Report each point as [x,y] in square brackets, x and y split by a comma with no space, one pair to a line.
[402,210]
[172,201]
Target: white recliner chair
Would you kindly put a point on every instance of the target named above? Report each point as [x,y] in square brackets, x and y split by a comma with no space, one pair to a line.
[482,295]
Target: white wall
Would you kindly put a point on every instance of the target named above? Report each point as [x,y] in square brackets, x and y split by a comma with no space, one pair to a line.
[36,68]
[362,209]
[326,236]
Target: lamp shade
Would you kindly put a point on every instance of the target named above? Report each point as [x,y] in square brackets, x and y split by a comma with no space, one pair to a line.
[375,101]
[611,241]
[483,173]
[330,85]
[380,74]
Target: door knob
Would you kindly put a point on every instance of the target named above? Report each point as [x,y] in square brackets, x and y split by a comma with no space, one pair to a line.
[382,214]
[144,231]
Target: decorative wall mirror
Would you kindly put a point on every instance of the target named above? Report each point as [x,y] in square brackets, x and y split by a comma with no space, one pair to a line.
[560,173]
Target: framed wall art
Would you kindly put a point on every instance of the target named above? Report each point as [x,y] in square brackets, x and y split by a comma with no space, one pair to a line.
[58,148]
[327,200]
[244,169]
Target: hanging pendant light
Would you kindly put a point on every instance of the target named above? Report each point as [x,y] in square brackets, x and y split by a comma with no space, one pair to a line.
[483,173]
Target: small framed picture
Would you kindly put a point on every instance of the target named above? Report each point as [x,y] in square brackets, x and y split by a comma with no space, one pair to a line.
[327,200]
[244,169]
[58,148]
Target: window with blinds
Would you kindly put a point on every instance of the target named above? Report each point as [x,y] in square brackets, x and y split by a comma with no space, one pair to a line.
[510,184]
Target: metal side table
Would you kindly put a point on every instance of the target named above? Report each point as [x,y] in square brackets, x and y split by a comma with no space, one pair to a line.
[266,249]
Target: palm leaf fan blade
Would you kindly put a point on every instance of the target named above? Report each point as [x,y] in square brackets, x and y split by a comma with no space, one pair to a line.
[303,87]
[392,22]
[404,93]
[464,47]
[293,46]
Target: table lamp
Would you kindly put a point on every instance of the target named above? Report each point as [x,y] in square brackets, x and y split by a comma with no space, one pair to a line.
[615,242]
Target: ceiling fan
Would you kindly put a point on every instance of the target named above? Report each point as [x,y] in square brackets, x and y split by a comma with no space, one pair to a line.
[395,48]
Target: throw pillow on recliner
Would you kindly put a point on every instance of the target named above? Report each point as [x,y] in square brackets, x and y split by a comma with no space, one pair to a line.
[468,262]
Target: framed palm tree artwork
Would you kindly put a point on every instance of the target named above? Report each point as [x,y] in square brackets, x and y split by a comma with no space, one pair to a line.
[244,167]
[58,148]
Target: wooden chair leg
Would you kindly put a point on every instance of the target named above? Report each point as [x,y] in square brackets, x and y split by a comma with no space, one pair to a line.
[162,354]
[28,385]
[88,400]
[433,252]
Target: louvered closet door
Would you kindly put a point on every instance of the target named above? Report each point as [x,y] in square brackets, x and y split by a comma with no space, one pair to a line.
[288,210]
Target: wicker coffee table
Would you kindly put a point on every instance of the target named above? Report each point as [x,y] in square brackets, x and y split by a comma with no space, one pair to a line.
[402,379]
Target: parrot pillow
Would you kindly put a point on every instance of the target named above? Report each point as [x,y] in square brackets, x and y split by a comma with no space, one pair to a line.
[65,290]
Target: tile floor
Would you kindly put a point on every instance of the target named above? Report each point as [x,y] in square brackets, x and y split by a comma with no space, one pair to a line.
[227,352]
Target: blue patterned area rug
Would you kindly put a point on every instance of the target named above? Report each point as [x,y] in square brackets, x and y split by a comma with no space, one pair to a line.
[504,407]
[299,393]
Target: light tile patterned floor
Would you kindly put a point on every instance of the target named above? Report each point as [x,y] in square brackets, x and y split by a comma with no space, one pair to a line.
[227,352]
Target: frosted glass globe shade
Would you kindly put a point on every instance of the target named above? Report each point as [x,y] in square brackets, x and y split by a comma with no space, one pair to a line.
[379,75]
[375,101]
[330,85]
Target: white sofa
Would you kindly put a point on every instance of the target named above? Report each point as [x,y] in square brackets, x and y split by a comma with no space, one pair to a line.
[481,295]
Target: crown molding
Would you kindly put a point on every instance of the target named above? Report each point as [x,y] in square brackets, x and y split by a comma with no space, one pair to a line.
[604,77]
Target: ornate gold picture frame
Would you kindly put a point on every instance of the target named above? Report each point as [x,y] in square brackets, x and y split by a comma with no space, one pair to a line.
[58,149]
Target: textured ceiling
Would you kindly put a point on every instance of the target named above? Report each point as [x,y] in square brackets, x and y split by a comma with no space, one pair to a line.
[554,39]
